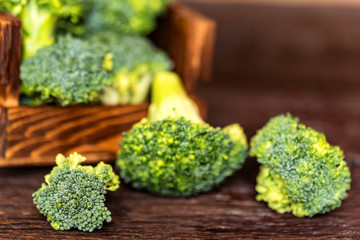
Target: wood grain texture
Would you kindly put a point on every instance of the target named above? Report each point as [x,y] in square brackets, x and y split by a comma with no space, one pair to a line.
[188,37]
[36,134]
[10,57]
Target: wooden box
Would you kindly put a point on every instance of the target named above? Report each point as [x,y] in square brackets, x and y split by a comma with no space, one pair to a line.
[34,135]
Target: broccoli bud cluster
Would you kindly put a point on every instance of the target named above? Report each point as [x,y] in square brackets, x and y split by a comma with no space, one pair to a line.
[180,158]
[71,71]
[301,172]
[74,195]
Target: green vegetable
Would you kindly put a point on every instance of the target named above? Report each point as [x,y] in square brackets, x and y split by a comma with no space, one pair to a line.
[40,19]
[71,71]
[301,172]
[125,16]
[173,156]
[136,61]
[74,195]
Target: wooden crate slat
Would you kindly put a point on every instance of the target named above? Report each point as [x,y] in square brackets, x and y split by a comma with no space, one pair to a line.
[10,57]
[188,37]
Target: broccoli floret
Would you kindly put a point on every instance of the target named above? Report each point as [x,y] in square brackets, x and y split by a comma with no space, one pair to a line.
[74,195]
[179,158]
[172,155]
[136,61]
[125,16]
[301,172]
[40,19]
[71,71]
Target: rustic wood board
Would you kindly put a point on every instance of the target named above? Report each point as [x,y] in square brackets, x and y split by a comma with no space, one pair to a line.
[229,211]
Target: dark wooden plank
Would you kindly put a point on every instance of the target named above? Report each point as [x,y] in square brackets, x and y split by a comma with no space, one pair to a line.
[228,212]
[3,134]
[10,57]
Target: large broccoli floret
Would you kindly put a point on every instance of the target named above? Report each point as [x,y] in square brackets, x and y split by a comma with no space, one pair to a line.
[74,195]
[136,61]
[301,172]
[125,16]
[40,19]
[71,71]
[173,155]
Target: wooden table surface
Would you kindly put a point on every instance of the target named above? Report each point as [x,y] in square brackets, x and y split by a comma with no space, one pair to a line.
[229,211]
[249,88]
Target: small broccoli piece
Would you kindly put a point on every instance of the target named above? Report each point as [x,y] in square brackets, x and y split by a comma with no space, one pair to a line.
[74,195]
[171,154]
[40,19]
[136,61]
[301,172]
[125,16]
[71,71]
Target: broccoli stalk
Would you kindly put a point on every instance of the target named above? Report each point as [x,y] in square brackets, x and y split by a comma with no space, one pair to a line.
[39,19]
[301,172]
[169,99]
[173,152]
[73,196]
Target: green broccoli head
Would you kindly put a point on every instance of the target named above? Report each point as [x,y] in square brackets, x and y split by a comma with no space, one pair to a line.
[136,61]
[71,71]
[74,195]
[40,19]
[179,158]
[301,172]
[125,16]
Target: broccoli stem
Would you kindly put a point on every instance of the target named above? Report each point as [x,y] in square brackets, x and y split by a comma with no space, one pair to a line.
[141,89]
[38,28]
[169,99]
